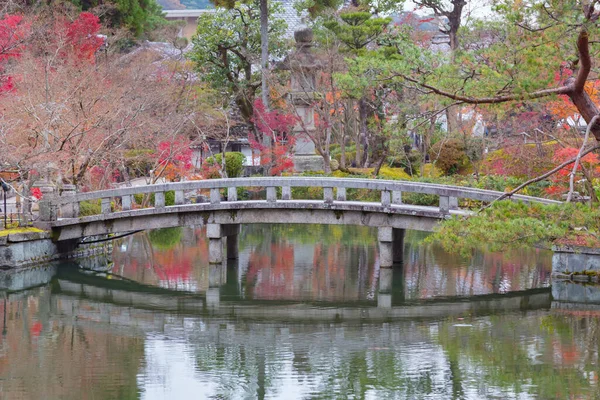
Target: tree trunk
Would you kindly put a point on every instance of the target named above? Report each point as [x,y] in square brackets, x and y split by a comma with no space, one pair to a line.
[264,50]
[362,115]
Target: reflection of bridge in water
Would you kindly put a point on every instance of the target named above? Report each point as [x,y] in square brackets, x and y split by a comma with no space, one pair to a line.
[221,299]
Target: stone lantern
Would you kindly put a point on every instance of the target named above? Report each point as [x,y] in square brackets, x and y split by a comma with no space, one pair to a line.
[304,67]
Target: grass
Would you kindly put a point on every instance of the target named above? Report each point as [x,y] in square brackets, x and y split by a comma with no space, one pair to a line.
[5,232]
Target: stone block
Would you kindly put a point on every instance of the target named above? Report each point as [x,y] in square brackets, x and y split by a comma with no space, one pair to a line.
[385,234]
[213,231]
[386,258]
[27,236]
[303,163]
[215,251]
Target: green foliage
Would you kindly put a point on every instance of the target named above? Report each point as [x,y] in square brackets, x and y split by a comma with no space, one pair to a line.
[165,238]
[357,29]
[410,162]
[317,7]
[89,207]
[169,198]
[515,224]
[227,45]
[450,155]
[234,163]
[139,16]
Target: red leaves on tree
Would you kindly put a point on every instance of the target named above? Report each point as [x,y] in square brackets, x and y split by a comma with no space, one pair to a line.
[174,158]
[278,126]
[561,179]
[36,193]
[82,36]
[12,32]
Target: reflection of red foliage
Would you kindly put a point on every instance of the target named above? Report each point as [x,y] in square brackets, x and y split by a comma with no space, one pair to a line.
[36,329]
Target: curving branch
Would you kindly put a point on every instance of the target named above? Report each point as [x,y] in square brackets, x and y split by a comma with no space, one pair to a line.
[494,99]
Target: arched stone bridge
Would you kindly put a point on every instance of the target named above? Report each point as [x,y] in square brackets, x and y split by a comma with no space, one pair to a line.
[223,214]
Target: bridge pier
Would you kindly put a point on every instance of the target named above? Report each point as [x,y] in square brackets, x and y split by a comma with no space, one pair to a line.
[215,234]
[217,275]
[384,295]
[391,246]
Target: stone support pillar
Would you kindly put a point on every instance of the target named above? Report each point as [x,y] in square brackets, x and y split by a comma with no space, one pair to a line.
[215,234]
[385,238]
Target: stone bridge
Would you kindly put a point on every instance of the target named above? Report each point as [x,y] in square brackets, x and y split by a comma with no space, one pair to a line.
[223,212]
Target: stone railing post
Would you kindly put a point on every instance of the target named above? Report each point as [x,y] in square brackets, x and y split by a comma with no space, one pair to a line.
[126,202]
[271,194]
[71,209]
[396,197]
[47,210]
[286,193]
[105,205]
[159,199]
[341,194]
[215,196]
[232,194]
[328,195]
[179,198]
[448,203]
[385,198]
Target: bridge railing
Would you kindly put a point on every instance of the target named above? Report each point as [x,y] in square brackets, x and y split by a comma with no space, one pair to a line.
[334,190]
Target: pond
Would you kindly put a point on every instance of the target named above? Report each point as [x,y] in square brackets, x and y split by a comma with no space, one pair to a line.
[304,312]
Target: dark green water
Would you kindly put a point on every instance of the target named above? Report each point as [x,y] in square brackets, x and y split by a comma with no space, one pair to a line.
[305,312]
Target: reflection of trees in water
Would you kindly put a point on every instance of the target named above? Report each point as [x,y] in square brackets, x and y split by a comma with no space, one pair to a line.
[549,356]
[546,354]
[45,357]
[430,271]
[175,258]
[317,262]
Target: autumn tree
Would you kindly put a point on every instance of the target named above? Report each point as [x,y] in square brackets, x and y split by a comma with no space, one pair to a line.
[227,47]
[69,113]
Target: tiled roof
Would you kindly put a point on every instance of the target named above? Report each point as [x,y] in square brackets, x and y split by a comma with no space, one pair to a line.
[291,17]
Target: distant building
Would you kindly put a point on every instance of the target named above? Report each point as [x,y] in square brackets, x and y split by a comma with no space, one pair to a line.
[190,10]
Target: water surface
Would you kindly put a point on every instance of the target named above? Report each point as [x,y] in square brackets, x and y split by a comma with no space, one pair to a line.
[301,314]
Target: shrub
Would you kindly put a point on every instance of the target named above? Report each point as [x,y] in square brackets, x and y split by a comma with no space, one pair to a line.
[234,163]
[450,155]
[89,207]
[410,162]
